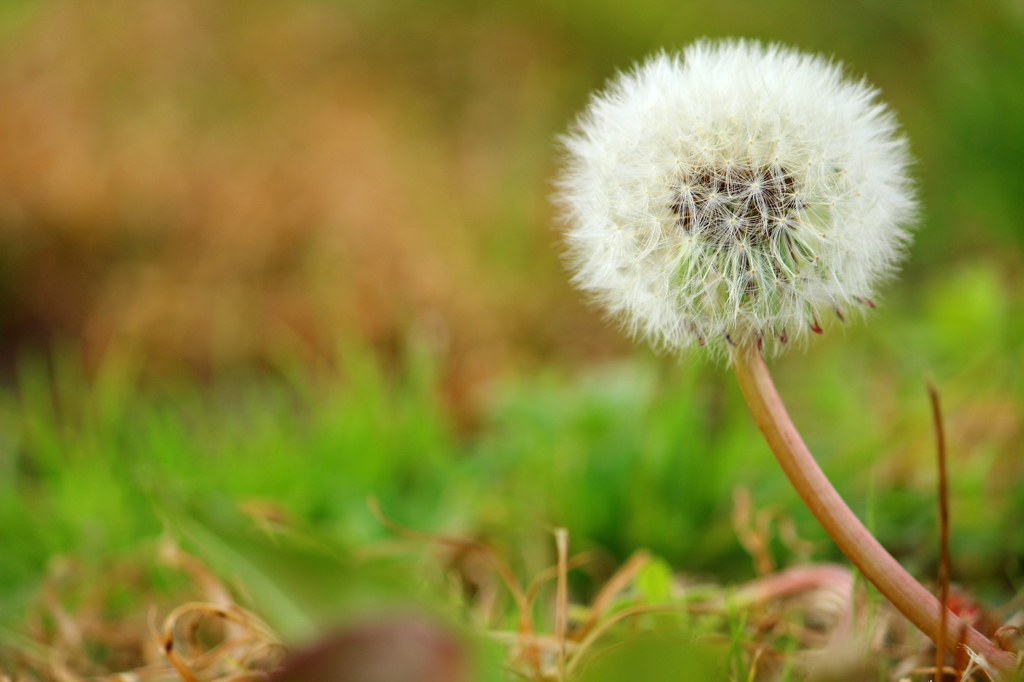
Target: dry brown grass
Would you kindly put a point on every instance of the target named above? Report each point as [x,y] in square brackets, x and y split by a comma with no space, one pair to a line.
[74,631]
[813,620]
[236,182]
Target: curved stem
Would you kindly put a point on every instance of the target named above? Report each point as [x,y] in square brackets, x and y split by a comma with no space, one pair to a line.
[867,554]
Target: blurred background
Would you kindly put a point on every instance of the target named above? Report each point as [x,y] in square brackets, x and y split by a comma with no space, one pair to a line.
[284,255]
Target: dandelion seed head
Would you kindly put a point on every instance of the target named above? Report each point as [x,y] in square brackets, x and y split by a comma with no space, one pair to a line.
[734,194]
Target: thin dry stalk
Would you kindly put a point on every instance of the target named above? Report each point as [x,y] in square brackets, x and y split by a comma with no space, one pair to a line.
[551,572]
[754,531]
[755,660]
[619,581]
[753,537]
[562,596]
[940,446]
[603,626]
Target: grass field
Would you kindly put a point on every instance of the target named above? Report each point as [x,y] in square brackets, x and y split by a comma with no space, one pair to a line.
[640,453]
[272,263]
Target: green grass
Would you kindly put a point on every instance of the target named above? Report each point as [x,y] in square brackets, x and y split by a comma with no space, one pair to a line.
[642,453]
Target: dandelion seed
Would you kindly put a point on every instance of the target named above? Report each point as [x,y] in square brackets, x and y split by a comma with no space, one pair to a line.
[763,187]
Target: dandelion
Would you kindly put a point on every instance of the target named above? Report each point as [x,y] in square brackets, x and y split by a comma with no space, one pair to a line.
[740,193]
[734,198]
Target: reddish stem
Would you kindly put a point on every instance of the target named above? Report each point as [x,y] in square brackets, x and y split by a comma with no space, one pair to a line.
[874,562]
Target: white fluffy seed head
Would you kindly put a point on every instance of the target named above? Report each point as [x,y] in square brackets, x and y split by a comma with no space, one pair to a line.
[737,194]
